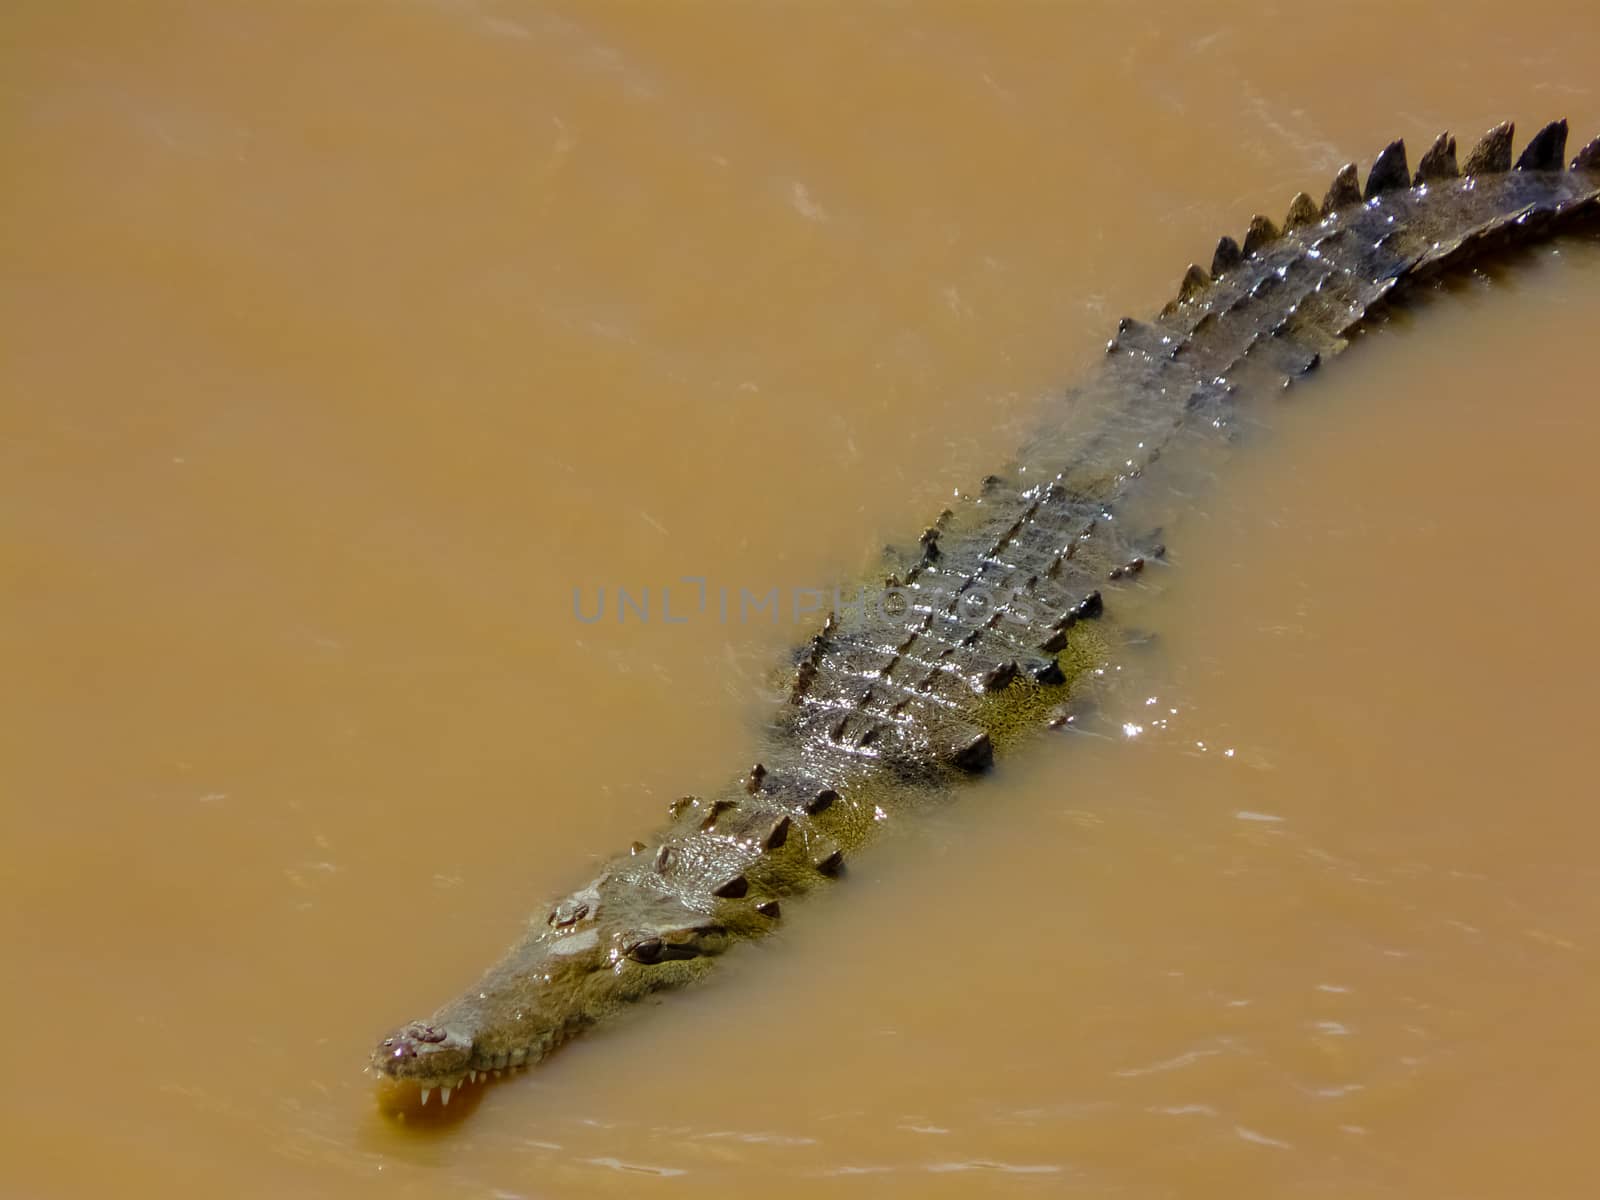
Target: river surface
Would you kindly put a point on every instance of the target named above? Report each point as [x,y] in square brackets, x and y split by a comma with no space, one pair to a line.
[343,341]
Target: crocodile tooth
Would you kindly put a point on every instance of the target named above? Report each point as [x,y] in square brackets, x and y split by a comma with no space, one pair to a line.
[1588,158]
[444,1095]
[1261,232]
[1492,155]
[1440,160]
[1302,211]
[1389,173]
[472,1077]
[425,1092]
[1546,150]
[1228,255]
[1344,191]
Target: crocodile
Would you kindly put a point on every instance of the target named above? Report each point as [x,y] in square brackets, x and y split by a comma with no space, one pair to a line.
[989,627]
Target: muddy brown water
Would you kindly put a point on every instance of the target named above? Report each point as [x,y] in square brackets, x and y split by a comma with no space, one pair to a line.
[342,341]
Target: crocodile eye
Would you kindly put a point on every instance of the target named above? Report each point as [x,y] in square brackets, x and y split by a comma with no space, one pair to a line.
[647,951]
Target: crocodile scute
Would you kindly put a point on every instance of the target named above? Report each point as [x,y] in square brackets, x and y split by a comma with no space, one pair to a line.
[982,637]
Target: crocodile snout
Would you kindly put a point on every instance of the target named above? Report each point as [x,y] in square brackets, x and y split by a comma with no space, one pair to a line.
[423,1053]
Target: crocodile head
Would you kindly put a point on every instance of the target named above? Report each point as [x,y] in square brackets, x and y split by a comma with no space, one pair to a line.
[571,970]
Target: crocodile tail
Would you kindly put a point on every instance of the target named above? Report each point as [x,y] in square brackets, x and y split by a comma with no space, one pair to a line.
[1311,283]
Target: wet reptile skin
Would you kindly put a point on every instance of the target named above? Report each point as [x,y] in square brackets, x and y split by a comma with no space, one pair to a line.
[982,634]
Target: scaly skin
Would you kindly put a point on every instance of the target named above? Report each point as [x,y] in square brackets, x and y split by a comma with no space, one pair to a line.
[982,637]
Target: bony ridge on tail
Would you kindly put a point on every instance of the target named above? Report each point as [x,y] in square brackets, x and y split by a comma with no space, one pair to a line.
[902,701]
